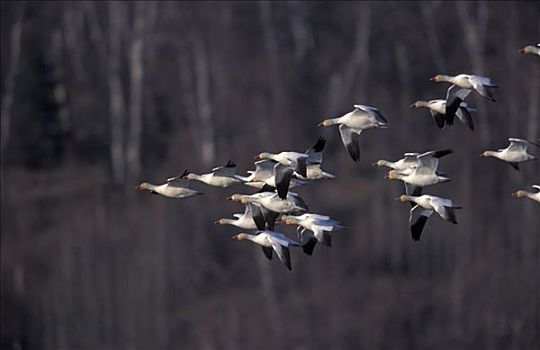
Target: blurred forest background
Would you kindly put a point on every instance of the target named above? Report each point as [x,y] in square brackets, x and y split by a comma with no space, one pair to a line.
[98,96]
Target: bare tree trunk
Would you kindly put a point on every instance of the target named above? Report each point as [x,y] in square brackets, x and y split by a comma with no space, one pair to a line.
[358,66]
[431,28]
[12,70]
[204,104]
[116,95]
[136,57]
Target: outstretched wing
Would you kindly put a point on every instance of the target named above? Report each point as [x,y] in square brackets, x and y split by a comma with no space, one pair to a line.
[517,145]
[227,170]
[465,117]
[438,118]
[315,153]
[283,254]
[350,140]
[282,179]
[372,111]
[417,220]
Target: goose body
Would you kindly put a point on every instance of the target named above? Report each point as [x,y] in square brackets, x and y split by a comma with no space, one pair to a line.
[482,85]
[246,221]
[444,111]
[173,188]
[535,196]
[271,241]
[223,176]
[273,174]
[515,153]
[320,225]
[353,123]
[425,206]
[531,50]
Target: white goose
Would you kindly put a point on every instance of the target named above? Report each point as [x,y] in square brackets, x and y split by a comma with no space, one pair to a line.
[514,154]
[535,196]
[425,205]
[320,225]
[273,174]
[531,50]
[423,171]
[482,85]
[353,123]
[251,219]
[173,188]
[271,241]
[443,111]
[271,201]
[412,160]
[223,176]
[296,160]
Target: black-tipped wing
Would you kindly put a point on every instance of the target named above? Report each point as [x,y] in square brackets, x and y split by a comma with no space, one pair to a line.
[308,244]
[283,254]
[258,216]
[315,153]
[350,140]
[267,252]
[453,101]
[417,219]
[283,179]
[438,118]
[514,165]
[465,117]
[270,218]
[301,167]
[228,169]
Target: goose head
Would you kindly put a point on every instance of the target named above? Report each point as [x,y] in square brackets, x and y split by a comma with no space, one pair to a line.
[392,175]
[403,198]
[287,220]
[187,175]
[519,194]
[235,197]
[239,237]
[380,162]
[325,122]
[220,222]
[262,155]
[485,154]
[437,77]
[143,186]
[418,104]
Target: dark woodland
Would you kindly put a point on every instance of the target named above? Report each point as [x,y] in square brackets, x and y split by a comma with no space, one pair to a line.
[98,96]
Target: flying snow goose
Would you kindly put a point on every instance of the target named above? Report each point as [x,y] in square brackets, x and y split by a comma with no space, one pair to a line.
[173,188]
[411,163]
[425,205]
[223,176]
[314,162]
[272,174]
[272,202]
[271,241]
[421,176]
[320,225]
[483,85]
[353,123]
[296,160]
[443,111]
[531,50]
[251,219]
[535,196]
[515,153]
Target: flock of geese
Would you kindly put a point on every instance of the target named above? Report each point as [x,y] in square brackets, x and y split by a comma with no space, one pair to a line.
[276,173]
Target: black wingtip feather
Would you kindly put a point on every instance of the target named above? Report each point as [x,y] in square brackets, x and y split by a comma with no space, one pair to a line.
[319,145]
[355,155]
[230,164]
[309,246]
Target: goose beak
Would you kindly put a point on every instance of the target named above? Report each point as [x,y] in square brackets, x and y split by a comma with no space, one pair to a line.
[374,164]
[522,50]
[481,155]
[230,198]
[386,176]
